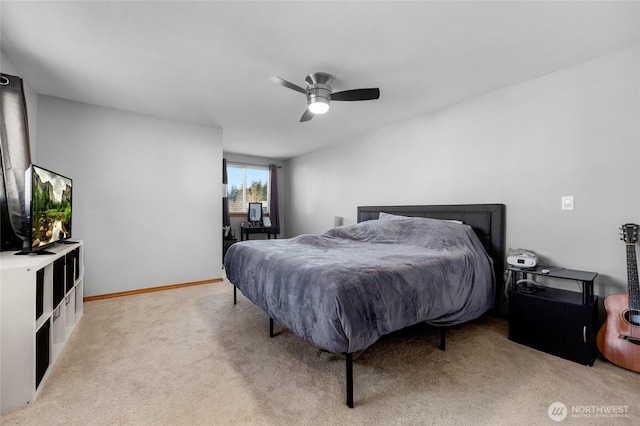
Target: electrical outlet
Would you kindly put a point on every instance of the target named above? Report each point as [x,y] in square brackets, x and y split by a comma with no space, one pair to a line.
[567,202]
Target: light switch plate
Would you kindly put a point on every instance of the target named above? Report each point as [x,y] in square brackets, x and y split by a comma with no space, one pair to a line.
[567,202]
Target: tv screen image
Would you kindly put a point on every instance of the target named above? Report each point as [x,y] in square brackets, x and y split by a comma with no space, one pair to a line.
[48,198]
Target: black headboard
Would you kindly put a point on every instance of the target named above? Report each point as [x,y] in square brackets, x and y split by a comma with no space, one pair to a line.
[487,220]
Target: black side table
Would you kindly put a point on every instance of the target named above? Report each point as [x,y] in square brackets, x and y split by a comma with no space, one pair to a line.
[245,231]
[226,243]
[559,322]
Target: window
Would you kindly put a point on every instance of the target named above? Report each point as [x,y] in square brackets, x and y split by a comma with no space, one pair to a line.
[247,184]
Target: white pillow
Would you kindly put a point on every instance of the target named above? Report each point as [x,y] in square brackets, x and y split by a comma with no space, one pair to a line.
[389,216]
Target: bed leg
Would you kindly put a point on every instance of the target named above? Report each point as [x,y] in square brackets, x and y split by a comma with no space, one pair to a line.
[271,333]
[235,300]
[349,380]
[443,333]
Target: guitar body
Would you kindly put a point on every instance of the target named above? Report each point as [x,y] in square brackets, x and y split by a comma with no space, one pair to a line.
[619,337]
[616,337]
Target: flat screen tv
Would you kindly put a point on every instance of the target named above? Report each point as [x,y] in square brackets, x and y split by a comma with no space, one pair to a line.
[48,199]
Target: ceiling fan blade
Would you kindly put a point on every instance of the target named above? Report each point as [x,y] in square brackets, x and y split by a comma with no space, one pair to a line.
[356,95]
[308,115]
[285,83]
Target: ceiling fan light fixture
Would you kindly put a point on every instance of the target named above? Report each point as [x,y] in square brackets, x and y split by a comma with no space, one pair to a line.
[318,105]
[318,98]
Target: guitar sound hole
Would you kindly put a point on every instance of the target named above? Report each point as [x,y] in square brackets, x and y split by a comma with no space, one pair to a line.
[632,316]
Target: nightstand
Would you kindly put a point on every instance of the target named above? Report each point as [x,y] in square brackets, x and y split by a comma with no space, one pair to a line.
[559,322]
[226,243]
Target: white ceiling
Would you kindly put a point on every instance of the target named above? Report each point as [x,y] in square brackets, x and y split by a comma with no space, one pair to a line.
[209,62]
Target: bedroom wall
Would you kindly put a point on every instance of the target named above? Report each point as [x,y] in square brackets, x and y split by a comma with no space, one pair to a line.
[146,193]
[573,132]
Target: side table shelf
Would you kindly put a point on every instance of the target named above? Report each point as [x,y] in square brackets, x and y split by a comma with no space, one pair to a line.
[559,322]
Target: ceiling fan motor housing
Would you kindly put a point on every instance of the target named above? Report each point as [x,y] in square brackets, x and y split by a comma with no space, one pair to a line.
[319,91]
[319,87]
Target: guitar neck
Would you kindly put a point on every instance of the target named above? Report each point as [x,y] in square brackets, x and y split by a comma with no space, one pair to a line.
[632,277]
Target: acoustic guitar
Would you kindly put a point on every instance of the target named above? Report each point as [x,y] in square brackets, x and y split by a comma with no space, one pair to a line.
[619,337]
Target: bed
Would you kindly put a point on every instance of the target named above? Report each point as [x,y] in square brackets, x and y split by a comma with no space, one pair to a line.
[397,267]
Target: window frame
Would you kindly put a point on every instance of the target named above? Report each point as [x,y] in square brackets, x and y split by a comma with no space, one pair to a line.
[245,203]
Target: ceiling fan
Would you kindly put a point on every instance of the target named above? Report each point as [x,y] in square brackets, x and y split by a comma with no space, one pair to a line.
[319,93]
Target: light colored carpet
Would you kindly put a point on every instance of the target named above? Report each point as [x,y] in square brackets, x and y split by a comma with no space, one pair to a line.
[190,357]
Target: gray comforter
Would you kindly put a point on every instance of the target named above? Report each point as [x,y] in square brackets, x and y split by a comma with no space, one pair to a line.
[344,289]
